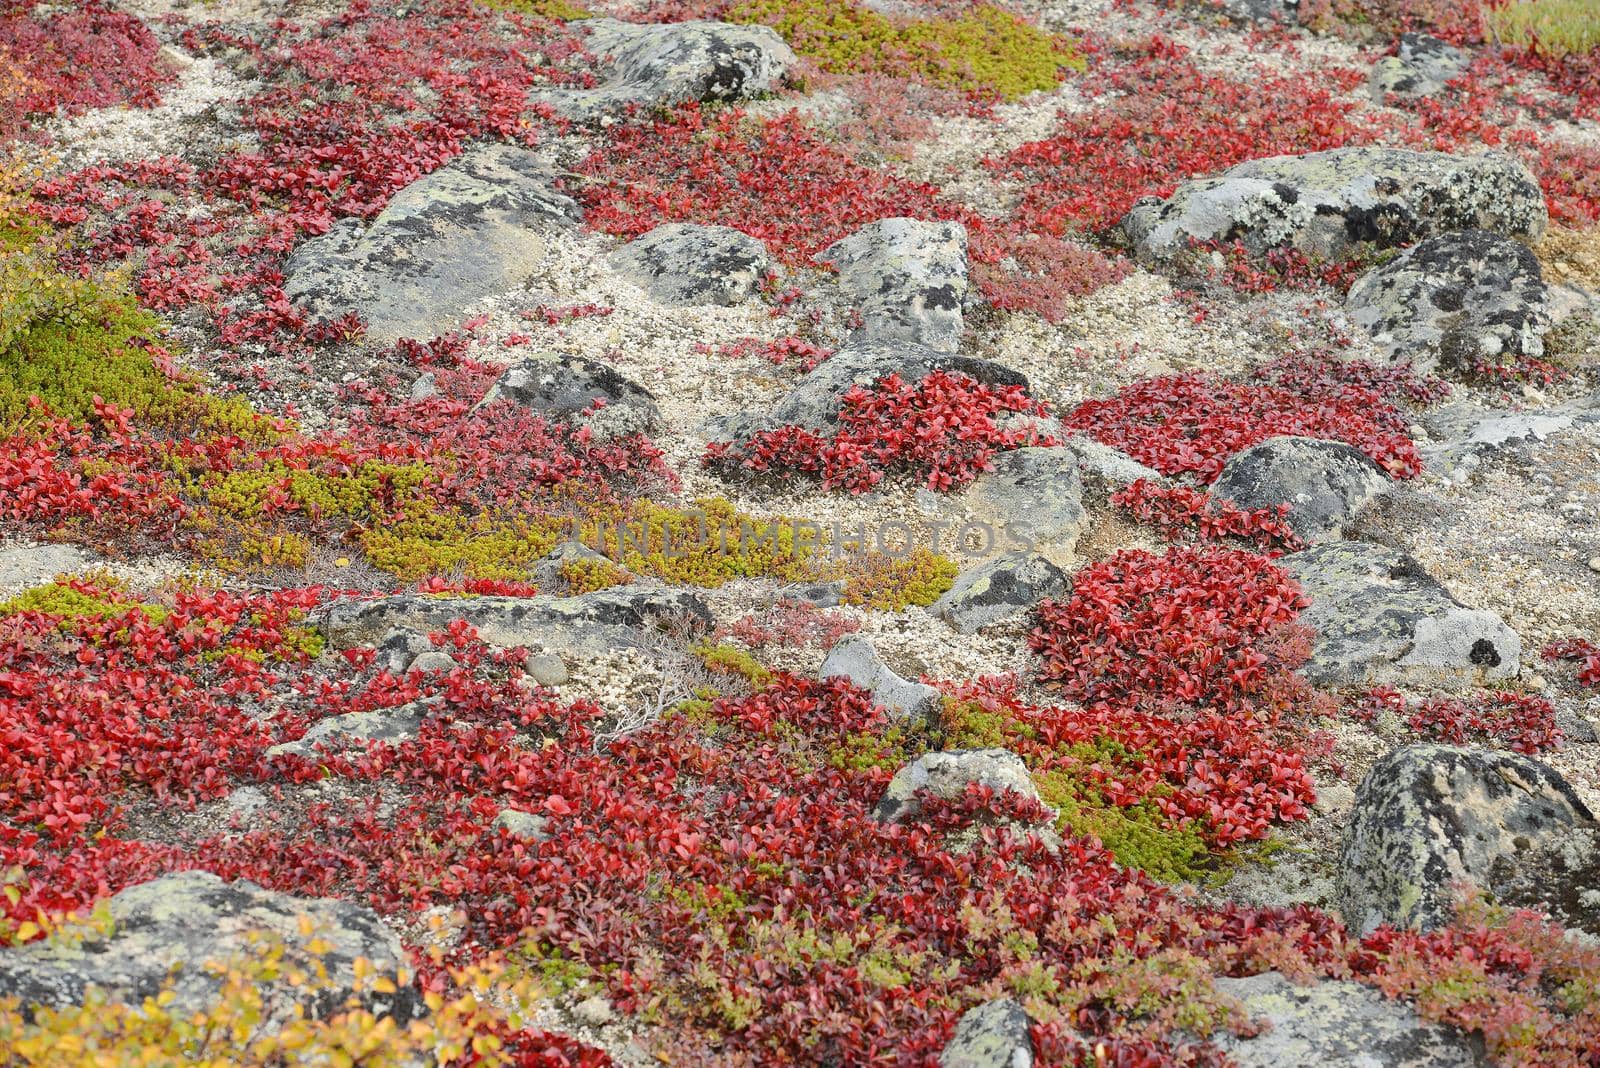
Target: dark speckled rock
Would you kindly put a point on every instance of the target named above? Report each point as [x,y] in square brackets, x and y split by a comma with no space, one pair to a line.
[998,589]
[1379,617]
[1454,301]
[1339,1024]
[1429,816]
[908,277]
[683,264]
[192,918]
[356,729]
[470,230]
[1323,482]
[593,621]
[1421,69]
[992,1035]
[1328,204]
[566,387]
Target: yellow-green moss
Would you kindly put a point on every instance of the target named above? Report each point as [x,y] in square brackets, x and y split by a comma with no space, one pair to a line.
[880,581]
[1560,26]
[60,599]
[545,9]
[588,575]
[986,50]
[729,660]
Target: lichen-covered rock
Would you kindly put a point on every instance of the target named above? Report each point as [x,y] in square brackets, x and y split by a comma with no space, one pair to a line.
[1456,301]
[998,589]
[547,572]
[1430,817]
[1324,483]
[1338,1024]
[1379,617]
[526,825]
[1327,204]
[1110,466]
[683,264]
[1031,500]
[814,401]
[1465,434]
[1421,69]
[470,230]
[654,65]
[992,1035]
[356,729]
[908,278]
[592,621]
[175,925]
[567,387]
[856,660]
[946,775]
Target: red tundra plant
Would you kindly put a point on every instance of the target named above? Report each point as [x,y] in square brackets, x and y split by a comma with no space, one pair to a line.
[1193,423]
[790,625]
[778,352]
[1190,626]
[943,430]
[1180,510]
[1522,722]
[74,57]
[1579,649]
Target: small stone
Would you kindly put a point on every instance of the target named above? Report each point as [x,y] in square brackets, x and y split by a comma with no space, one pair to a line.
[547,669]
[947,775]
[1594,563]
[520,824]
[998,589]
[245,802]
[594,1012]
[1031,500]
[433,660]
[908,277]
[569,387]
[1324,483]
[683,264]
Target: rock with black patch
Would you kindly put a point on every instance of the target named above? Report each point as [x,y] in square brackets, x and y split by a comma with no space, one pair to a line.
[856,659]
[683,265]
[998,589]
[1431,819]
[569,387]
[1380,618]
[589,623]
[653,65]
[357,729]
[908,278]
[1421,69]
[947,774]
[1324,483]
[1030,500]
[1332,204]
[1456,302]
[992,1035]
[472,229]
[166,931]
[1338,1024]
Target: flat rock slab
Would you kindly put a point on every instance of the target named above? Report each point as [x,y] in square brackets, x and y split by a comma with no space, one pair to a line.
[649,65]
[992,1035]
[908,277]
[1464,434]
[1379,617]
[856,660]
[599,620]
[1324,483]
[1427,817]
[470,230]
[1455,302]
[188,919]
[1030,500]
[1339,1024]
[1422,68]
[998,589]
[568,387]
[946,775]
[1328,204]
[356,729]
[683,265]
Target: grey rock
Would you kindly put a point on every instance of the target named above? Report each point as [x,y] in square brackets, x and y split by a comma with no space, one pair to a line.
[520,824]
[1454,301]
[1464,434]
[1327,204]
[433,660]
[399,648]
[392,725]
[178,923]
[682,264]
[547,572]
[1324,483]
[547,669]
[1263,10]
[1111,466]
[425,386]
[814,401]
[1421,69]
[998,589]
[992,1035]
[567,387]
[1032,499]
[472,229]
[908,277]
[818,594]
[594,1012]
[1428,817]
[947,775]
[1339,1024]
[1379,617]
[651,65]
[856,660]
[599,620]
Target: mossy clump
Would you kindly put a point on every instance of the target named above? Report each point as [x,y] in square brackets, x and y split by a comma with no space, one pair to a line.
[544,9]
[730,660]
[889,583]
[986,51]
[78,599]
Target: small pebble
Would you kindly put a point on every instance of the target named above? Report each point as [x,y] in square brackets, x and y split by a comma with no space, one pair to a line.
[1594,563]
[547,669]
